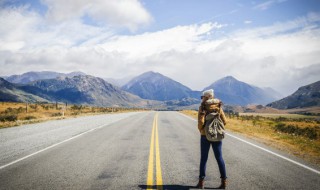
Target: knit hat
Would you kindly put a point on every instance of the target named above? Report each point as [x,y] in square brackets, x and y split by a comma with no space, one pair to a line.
[208,93]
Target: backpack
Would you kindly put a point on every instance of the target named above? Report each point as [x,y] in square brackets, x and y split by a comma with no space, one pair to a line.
[214,127]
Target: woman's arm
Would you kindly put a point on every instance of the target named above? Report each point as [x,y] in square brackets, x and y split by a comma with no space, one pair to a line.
[201,115]
[223,117]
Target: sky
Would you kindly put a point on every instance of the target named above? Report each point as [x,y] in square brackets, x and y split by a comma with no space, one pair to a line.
[266,43]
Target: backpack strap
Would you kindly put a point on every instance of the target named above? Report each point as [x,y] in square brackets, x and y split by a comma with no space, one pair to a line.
[203,107]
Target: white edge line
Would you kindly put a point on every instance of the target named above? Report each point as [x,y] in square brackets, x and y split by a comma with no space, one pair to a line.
[51,146]
[269,151]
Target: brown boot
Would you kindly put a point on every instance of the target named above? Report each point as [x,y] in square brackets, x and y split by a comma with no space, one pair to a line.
[200,184]
[223,184]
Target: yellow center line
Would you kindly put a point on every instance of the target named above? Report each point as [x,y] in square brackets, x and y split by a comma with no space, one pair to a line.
[150,165]
[154,142]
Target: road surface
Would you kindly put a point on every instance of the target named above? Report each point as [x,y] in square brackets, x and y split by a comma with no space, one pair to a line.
[146,150]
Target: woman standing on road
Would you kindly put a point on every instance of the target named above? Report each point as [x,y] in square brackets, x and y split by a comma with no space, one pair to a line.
[209,105]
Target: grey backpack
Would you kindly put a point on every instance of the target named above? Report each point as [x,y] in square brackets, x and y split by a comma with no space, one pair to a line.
[214,127]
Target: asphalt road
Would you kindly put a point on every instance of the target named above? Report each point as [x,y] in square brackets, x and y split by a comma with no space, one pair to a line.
[115,152]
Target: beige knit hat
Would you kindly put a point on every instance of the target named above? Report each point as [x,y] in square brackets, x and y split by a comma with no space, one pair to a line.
[208,93]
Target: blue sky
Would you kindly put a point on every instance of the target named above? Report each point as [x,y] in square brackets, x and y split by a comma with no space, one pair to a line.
[267,43]
[168,13]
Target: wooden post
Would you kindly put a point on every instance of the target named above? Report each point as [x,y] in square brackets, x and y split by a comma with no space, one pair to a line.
[56,105]
[63,110]
[27,107]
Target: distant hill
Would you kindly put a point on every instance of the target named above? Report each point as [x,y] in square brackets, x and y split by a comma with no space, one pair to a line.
[81,89]
[234,92]
[305,96]
[13,93]
[155,86]
[28,77]
[85,89]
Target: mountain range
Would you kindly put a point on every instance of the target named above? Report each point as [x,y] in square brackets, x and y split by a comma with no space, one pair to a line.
[15,93]
[155,86]
[305,96]
[28,77]
[234,92]
[80,89]
[150,89]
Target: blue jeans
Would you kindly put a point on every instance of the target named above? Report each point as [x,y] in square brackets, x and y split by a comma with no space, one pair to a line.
[216,146]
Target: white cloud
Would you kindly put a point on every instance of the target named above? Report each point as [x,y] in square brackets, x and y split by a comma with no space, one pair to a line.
[179,38]
[283,56]
[306,22]
[27,30]
[281,62]
[124,13]
[15,24]
[267,4]
[247,22]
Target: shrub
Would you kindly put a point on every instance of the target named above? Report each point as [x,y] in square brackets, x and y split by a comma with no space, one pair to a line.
[45,107]
[6,117]
[56,114]
[308,132]
[279,119]
[14,110]
[75,113]
[311,133]
[35,107]
[75,107]
[29,117]
[280,126]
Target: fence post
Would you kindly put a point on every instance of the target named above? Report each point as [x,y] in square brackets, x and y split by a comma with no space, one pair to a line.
[63,110]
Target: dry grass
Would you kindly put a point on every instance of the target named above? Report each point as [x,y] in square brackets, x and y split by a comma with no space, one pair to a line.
[15,114]
[263,130]
[275,115]
[313,110]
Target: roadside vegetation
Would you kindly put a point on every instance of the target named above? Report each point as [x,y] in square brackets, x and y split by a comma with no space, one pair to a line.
[296,134]
[15,114]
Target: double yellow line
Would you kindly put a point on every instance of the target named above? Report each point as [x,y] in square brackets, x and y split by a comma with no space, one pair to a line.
[154,143]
